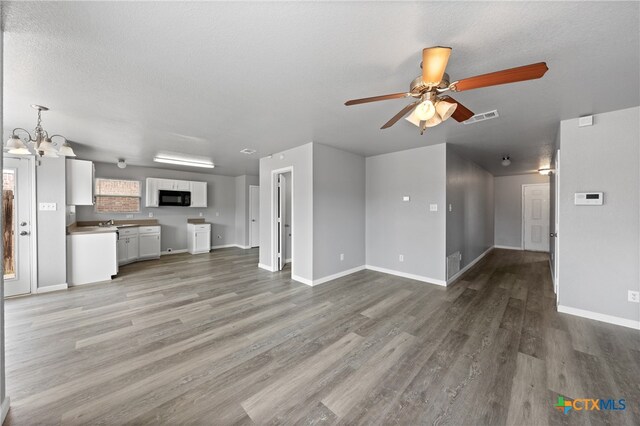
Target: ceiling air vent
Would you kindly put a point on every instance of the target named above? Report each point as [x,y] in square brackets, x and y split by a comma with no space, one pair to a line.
[482,117]
[248,151]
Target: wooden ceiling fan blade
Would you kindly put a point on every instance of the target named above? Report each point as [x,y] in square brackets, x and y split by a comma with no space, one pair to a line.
[404,111]
[377,98]
[512,75]
[434,64]
[462,113]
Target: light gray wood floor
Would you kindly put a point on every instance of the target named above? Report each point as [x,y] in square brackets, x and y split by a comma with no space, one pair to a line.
[212,339]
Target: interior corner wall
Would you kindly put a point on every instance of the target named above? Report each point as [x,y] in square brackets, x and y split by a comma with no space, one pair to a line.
[338,211]
[508,208]
[52,238]
[395,227]
[301,159]
[599,246]
[469,208]
[242,219]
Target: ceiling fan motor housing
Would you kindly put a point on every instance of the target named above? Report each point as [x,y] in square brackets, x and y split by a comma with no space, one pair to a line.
[418,87]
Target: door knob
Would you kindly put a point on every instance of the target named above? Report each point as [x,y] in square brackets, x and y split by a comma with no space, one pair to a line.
[23,223]
[253,220]
[23,233]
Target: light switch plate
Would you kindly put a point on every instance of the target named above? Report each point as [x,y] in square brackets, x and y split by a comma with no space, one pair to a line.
[634,296]
[47,207]
[150,214]
[201,214]
[406,198]
[450,207]
[433,207]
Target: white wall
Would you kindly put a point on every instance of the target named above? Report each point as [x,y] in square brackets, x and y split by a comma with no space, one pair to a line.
[508,207]
[394,227]
[600,245]
[301,159]
[338,211]
[221,200]
[52,238]
[470,222]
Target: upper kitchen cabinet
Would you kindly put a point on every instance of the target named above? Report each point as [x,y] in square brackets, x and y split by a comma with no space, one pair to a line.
[198,194]
[152,192]
[80,182]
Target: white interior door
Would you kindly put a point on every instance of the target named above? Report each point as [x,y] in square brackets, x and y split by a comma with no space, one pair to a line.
[254,216]
[16,217]
[556,234]
[282,219]
[536,217]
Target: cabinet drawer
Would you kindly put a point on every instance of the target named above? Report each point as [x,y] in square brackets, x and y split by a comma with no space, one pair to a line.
[203,227]
[149,230]
[128,231]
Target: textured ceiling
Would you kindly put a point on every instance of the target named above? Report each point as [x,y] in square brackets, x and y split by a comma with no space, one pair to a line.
[125,80]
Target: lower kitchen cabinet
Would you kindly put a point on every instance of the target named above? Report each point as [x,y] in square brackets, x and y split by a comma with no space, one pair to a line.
[149,242]
[138,243]
[198,238]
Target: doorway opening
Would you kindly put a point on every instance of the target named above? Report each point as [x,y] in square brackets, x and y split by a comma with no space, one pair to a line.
[282,222]
[18,225]
[254,216]
[535,217]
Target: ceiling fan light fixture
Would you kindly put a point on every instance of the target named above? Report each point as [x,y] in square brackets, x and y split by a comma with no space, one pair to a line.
[433,121]
[413,118]
[425,110]
[445,109]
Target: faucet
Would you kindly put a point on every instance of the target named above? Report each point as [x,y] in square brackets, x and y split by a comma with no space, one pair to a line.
[107,223]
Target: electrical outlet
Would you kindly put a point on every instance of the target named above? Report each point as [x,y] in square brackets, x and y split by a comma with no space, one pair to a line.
[341,256]
[406,198]
[150,214]
[217,213]
[219,236]
[433,207]
[401,258]
[450,207]
[634,296]
[201,214]
[129,216]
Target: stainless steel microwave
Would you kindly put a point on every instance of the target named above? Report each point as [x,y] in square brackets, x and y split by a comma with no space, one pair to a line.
[174,198]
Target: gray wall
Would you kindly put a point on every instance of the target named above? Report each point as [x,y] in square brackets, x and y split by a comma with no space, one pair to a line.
[242,208]
[470,196]
[301,158]
[221,210]
[338,211]
[52,238]
[508,207]
[394,227]
[599,245]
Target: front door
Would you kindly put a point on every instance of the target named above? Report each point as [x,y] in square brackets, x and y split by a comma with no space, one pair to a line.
[254,216]
[536,217]
[16,225]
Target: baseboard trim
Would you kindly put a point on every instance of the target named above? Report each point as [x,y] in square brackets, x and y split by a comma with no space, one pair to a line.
[50,288]
[302,280]
[224,246]
[466,268]
[288,260]
[508,248]
[4,410]
[338,275]
[599,317]
[266,267]
[407,275]
[165,253]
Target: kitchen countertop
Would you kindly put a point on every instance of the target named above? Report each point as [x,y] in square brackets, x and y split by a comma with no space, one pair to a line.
[92,227]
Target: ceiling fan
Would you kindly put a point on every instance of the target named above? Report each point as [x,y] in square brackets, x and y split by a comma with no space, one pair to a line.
[431,107]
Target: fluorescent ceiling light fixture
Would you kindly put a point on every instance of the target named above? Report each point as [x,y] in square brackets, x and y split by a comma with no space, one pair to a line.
[183,161]
[248,151]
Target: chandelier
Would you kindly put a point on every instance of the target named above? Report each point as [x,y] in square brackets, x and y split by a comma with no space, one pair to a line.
[40,143]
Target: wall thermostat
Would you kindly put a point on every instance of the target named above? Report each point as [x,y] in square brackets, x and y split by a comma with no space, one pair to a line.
[588,198]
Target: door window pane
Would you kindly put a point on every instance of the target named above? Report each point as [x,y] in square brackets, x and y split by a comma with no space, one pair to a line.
[8,223]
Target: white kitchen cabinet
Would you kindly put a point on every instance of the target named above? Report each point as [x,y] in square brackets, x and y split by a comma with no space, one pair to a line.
[181,185]
[165,184]
[91,257]
[80,182]
[198,238]
[151,195]
[198,194]
[127,245]
[149,242]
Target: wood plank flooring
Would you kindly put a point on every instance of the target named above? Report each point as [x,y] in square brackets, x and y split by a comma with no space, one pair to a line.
[212,339]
